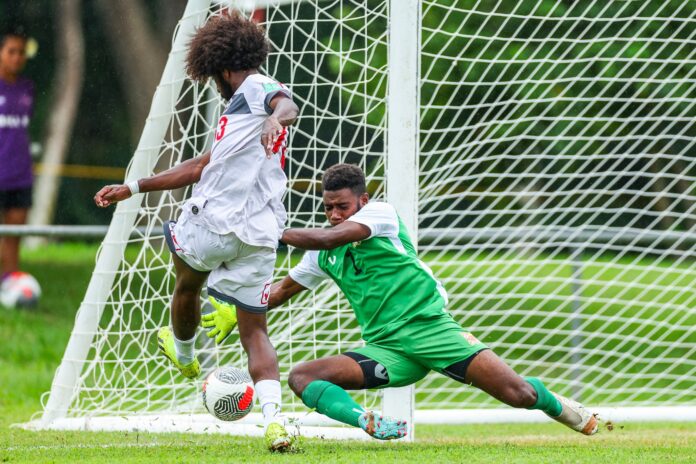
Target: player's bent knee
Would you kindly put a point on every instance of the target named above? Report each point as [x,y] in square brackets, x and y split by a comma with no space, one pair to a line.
[299,378]
[295,383]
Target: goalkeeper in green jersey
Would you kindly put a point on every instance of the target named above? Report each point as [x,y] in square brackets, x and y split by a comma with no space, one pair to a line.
[401,309]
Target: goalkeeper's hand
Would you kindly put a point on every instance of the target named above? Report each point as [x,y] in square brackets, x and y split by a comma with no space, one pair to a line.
[221,322]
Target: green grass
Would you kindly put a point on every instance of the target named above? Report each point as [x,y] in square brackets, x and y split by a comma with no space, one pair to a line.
[647,443]
[32,344]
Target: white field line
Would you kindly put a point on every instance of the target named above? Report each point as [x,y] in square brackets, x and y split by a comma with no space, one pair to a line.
[96,446]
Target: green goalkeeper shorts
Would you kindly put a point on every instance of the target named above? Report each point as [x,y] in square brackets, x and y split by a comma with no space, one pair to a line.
[422,345]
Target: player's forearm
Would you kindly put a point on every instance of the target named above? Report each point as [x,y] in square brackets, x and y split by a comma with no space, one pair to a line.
[282,291]
[181,175]
[326,239]
[311,239]
[286,112]
[278,296]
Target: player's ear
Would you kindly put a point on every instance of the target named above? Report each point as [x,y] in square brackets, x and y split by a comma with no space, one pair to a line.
[364,198]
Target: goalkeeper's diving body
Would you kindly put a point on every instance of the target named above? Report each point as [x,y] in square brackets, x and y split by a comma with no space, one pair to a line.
[400,307]
[228,230]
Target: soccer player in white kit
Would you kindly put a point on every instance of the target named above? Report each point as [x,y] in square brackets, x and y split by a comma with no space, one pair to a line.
[228,230]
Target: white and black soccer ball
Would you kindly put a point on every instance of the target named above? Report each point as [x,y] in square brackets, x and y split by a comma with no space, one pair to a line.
[19,290]
[228,393]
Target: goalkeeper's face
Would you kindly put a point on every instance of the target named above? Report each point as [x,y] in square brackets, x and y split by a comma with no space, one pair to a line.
[341,204]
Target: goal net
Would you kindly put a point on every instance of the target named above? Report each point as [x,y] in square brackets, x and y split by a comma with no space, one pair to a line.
[551,191]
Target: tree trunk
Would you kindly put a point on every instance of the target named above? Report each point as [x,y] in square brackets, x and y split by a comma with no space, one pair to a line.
[139,52]
[66,94]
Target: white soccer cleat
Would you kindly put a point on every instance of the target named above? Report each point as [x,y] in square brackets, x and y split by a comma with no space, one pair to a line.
[575,416]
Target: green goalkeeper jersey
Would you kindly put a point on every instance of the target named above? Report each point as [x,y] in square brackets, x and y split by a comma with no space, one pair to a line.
[382,278]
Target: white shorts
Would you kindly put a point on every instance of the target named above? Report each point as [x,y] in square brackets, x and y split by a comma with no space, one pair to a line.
[240,274]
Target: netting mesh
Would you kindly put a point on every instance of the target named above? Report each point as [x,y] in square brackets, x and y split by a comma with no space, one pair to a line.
[556,197]
[557,191]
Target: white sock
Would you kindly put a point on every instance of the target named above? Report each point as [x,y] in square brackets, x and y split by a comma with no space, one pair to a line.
[184,350]
[269,399]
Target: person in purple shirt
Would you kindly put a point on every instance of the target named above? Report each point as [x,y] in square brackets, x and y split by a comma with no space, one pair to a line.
[16,105]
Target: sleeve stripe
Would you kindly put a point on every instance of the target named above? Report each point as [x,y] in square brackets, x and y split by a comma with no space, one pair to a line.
[270,96]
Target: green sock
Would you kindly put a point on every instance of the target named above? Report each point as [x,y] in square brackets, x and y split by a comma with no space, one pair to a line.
[545,400]
[333,401]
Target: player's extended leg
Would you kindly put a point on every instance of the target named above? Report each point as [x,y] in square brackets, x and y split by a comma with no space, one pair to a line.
[9,249]
[491,374]
[186,300]
[263,368]
[321,385]
[262,358]
[239,291]
[178,345]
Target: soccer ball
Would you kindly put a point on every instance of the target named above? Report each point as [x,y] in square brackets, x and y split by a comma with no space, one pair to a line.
[19,290]
[228,393]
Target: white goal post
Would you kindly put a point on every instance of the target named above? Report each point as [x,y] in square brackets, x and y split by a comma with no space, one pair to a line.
[543,157]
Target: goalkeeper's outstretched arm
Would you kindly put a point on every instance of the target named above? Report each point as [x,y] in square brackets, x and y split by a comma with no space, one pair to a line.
[326,239]
[181,175]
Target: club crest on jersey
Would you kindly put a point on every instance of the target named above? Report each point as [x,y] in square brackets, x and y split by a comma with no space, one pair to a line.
[357,244]
[471,340]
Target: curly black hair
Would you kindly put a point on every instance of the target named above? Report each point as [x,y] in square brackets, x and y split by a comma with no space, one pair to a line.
[226,43]
[340,176]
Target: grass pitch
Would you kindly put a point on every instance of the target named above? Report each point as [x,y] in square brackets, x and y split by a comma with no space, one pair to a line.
[32,344]
[480,443]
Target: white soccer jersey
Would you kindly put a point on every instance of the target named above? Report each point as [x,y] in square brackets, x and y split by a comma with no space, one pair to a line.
[240,190]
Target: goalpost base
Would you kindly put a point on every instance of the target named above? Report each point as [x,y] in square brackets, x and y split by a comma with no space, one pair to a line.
[318,426]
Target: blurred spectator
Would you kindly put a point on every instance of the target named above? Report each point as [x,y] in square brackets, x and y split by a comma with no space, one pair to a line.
[16,105]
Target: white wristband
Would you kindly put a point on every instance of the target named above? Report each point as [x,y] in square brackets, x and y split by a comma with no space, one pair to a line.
[133,187]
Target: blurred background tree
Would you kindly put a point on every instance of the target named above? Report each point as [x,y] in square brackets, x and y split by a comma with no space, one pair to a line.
[116,90]
[574,105]
[529,77]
